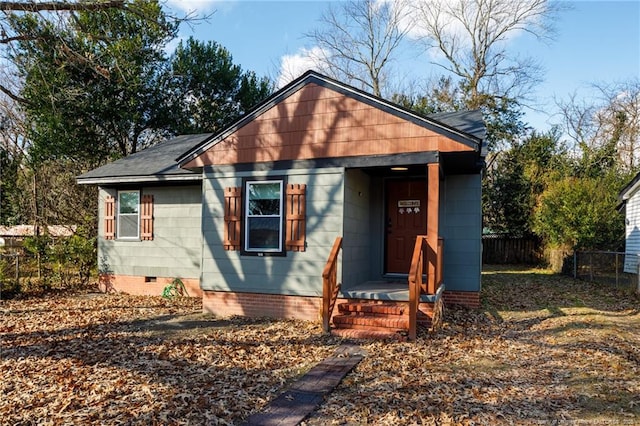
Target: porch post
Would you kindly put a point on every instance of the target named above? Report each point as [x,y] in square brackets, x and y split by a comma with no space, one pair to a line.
[433,207]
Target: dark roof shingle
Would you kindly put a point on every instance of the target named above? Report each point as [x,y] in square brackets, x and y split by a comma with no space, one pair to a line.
[158,162]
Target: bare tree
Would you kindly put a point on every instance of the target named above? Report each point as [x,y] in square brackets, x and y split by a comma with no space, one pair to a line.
[13,152]
[469,38]
[358,40]
[12,123]
[610,117]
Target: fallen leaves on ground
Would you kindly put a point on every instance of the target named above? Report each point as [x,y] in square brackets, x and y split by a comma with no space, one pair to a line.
[126,360]
[543,349]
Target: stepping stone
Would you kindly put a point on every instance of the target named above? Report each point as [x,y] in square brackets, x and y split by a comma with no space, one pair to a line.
[307,393]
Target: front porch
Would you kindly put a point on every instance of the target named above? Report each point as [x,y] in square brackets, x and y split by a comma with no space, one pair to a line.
[406,209]
[388,308]
[382,310]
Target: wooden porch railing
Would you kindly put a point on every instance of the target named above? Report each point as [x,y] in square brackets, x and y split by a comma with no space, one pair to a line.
[417,286]
[439,263]
[415,282]
[330,284]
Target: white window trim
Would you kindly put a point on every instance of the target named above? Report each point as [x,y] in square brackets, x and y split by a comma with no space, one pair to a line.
[280,216]
[118,227]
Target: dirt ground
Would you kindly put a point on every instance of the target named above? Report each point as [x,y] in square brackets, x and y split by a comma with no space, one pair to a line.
[543,349]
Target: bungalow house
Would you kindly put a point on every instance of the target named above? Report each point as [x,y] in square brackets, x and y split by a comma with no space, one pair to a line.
[319,184]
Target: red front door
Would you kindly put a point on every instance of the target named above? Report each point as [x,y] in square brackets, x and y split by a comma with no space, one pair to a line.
[406,218]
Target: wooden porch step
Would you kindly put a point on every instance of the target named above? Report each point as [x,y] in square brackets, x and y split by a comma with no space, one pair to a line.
[357,334]
[376,319]
[372,308]
[380,323]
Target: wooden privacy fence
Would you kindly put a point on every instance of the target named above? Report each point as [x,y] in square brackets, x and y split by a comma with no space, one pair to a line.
[500,249]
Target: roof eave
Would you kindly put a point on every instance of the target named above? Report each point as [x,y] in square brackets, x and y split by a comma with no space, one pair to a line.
[117,180]
[630,189]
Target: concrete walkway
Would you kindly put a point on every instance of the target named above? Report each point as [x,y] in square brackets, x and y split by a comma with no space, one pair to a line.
[305,395]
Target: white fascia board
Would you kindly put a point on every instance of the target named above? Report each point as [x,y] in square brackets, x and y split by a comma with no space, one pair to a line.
[139,179]
[629,192]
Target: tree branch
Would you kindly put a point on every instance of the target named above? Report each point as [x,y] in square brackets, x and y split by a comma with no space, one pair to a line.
[52,6]
[12,95]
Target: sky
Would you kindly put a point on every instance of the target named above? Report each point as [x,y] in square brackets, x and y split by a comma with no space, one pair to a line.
[596,42]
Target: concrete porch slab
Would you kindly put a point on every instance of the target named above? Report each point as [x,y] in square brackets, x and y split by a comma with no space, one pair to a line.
[391,290]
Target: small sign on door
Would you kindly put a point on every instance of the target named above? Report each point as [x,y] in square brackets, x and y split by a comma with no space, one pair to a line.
[408,203]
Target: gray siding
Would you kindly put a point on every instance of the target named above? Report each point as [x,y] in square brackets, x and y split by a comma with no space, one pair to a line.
[632,234]
[357,238]
[298,273]
[461,228]
[175,250]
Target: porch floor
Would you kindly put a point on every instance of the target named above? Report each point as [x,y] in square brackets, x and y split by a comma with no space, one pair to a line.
[394,290]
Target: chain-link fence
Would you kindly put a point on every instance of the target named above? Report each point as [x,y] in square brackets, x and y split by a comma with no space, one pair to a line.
[10,266]
[10,273]
[605,267]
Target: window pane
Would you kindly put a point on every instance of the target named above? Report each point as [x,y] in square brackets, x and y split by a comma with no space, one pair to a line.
[264,191]
[128,226]
[129,202]
[264,207]
[263,216]
[264,198]
[264,232]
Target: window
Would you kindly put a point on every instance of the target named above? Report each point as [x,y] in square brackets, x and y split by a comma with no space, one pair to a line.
[128,214]
[291,204]
[134,216]
[263,217]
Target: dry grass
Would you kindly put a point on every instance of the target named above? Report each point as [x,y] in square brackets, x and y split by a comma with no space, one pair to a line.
[544,349]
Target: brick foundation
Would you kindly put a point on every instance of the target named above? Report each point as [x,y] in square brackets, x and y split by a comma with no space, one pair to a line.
[222,303]
[144,286]
[470,299]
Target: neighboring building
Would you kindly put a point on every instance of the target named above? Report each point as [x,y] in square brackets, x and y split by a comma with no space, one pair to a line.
[13,236]
[250,215]
[630,198]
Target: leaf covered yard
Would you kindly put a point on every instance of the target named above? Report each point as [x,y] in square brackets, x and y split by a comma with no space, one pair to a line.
[544,348]
[126,360]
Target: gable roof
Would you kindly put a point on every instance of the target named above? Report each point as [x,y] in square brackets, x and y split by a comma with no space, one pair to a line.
[164,161]
[465,127]
[630,189]
[156,163]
